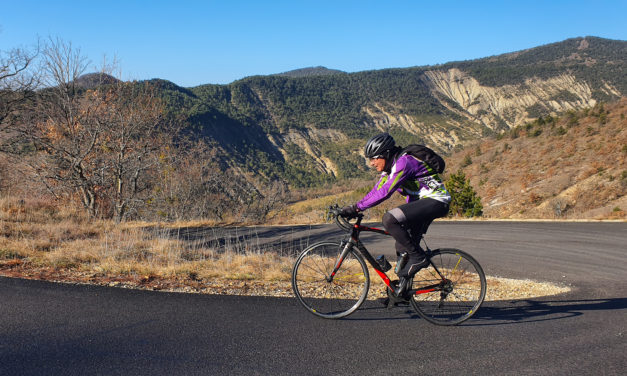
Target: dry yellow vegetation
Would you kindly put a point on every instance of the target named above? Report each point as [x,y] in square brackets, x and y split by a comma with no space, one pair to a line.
[41,240]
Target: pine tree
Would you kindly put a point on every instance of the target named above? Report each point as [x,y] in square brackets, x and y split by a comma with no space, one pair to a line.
[465,201]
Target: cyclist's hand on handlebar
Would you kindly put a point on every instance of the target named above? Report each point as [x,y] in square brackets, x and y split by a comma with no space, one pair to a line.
[349,211]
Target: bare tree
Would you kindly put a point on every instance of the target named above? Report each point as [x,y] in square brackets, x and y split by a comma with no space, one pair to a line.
[99,141]
[17,84]
[261,200]
[64,127]
[134,145]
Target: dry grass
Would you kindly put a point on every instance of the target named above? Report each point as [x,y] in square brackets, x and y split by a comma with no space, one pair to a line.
[41,236]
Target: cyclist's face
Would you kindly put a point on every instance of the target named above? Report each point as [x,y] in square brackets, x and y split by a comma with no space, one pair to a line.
[378,163]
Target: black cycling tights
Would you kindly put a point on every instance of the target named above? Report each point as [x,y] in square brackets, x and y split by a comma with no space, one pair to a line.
[408,222]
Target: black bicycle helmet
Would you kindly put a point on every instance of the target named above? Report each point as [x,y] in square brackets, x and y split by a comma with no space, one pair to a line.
[379,145]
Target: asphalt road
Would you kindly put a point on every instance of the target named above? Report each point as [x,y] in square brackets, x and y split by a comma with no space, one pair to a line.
[58,329]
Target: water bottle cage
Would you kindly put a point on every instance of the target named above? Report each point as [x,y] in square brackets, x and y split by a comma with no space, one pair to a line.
[384,263]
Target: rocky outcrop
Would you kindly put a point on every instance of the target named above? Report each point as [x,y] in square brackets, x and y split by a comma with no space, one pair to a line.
[443,134]
[510,105]
[308,140]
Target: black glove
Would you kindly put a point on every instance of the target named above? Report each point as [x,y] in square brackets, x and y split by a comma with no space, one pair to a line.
[349,211]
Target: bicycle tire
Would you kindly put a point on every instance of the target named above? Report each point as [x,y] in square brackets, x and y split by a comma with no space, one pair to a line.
[458,296]
[330,300]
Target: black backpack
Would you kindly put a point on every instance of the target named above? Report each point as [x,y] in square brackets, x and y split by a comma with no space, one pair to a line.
[431,158]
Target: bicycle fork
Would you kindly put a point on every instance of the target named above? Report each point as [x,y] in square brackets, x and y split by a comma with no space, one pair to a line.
[348,245]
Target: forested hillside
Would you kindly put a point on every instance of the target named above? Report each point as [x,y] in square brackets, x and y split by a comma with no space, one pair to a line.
[307,126]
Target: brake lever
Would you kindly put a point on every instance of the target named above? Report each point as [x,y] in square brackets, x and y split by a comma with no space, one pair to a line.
[333,212]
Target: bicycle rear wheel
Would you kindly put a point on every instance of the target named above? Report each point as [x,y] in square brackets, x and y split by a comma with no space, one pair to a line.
[456,291]
[339,297]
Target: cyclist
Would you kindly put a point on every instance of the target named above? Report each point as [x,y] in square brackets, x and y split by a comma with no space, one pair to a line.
[426,196]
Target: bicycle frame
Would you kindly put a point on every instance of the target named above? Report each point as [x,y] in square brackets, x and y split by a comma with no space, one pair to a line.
[354,241]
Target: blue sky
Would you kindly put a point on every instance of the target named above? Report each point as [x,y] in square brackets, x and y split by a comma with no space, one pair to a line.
[200,42]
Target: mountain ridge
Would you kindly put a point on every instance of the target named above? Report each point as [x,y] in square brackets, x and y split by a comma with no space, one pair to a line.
[308,129]
[310,71]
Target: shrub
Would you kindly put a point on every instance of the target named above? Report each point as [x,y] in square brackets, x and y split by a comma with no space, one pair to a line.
[465,201]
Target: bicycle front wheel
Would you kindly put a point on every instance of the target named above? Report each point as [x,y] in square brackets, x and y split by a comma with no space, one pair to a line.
[451,289]
[326,296]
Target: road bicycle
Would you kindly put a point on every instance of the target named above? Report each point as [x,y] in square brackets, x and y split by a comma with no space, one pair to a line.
[331,278]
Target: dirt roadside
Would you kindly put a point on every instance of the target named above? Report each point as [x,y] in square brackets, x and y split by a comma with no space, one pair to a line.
[498,288]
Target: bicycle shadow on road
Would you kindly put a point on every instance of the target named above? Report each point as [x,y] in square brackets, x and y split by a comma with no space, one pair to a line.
[503,312]
[525,311]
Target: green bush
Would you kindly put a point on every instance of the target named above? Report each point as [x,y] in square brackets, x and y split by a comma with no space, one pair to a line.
[465,201]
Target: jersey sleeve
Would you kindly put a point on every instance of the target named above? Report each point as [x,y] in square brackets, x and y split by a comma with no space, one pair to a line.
[385,187]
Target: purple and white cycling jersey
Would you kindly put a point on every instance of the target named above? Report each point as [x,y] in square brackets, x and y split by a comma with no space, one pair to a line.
[410,177]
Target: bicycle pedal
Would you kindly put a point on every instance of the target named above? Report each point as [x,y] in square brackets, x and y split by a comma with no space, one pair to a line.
[394,301]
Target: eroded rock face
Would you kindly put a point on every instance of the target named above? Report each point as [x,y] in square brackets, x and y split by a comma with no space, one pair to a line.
[444,135]
[510,103]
